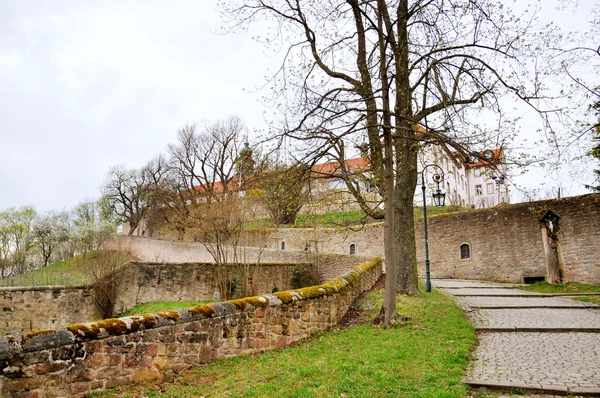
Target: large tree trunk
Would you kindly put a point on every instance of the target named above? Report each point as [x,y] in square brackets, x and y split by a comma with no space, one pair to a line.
[404,218]
[406,146]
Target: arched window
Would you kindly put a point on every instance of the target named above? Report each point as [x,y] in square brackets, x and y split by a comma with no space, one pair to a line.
[465,251]
[352,248]
[282,245]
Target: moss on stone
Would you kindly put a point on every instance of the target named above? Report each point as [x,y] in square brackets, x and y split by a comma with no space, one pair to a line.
[142,321]
[84,330]
[113,327]
[285,297]
[31,335]
[170,315]
[205,310]
[256,301]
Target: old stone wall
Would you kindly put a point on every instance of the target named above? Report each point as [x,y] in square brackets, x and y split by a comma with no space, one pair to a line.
[505,242]
[24,309]
[146,282]
[328,265]
[83,358]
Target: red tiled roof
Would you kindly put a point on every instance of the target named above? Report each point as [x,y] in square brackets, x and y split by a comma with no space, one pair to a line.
[356,165]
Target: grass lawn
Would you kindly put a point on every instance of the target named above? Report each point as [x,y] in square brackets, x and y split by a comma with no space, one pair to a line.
[424,357]
[571,287]
[73,271]
[345,218]
[161,306]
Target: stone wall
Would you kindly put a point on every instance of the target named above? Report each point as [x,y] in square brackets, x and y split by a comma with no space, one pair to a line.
[150,282]
[505,242]
[31,308]
[84,358]
[328,265]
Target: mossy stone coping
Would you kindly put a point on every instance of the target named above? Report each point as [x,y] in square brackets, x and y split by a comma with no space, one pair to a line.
[79,332]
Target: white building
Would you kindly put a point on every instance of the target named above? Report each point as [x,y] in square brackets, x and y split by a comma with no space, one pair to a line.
[475,182]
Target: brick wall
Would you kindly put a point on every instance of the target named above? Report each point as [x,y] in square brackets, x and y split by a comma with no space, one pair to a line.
[84,358]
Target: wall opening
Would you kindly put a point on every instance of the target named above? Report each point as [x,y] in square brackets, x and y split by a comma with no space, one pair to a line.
[465,251]
[352,248]
[528,280]
[282,245]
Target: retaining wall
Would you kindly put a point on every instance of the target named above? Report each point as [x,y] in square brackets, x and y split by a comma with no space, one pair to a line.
[328,264]
[505,242]
[84,358]
[45,307]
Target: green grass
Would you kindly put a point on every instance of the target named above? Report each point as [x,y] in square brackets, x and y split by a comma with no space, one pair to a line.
[74,271]
[425,356]
[589,299]
[161,306]
[571,287]
[346,218]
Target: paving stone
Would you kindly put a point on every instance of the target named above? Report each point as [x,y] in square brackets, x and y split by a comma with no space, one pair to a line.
[518,302]
[447,283]
[542,362]
[539,318]
[490,292]
[545,360]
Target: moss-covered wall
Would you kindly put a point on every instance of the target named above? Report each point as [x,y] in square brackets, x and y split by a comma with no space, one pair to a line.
[82,358]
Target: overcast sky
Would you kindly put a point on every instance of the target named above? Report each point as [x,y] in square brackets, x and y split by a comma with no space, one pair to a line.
[85,85]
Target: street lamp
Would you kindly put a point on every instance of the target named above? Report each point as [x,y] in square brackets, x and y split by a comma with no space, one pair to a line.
[438,200]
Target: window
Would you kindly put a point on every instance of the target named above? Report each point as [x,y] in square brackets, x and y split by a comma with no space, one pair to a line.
[282,245]
[490,188]
[465,251]
[352,248]
[478,190]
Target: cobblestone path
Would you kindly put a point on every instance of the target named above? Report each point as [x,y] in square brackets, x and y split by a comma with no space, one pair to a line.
[532,342]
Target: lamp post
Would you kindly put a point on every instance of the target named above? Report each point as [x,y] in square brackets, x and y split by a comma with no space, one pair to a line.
[499,183]
[438,199]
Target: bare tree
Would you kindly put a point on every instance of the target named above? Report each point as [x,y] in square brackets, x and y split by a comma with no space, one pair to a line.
[368,73]
[206,204]
[282,191]
[125,196]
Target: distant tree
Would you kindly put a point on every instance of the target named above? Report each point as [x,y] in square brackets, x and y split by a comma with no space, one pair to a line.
[206,203]
[282,191]
[16,240]
[91,229]
[126,196]
[48,233]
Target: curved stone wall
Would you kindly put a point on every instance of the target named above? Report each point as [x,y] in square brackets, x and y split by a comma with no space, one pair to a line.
[82,358]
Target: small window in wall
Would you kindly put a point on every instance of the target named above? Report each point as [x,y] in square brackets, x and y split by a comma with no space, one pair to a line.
[282,245]
[465,251]
[478,190]
[352,248]
[490,188]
